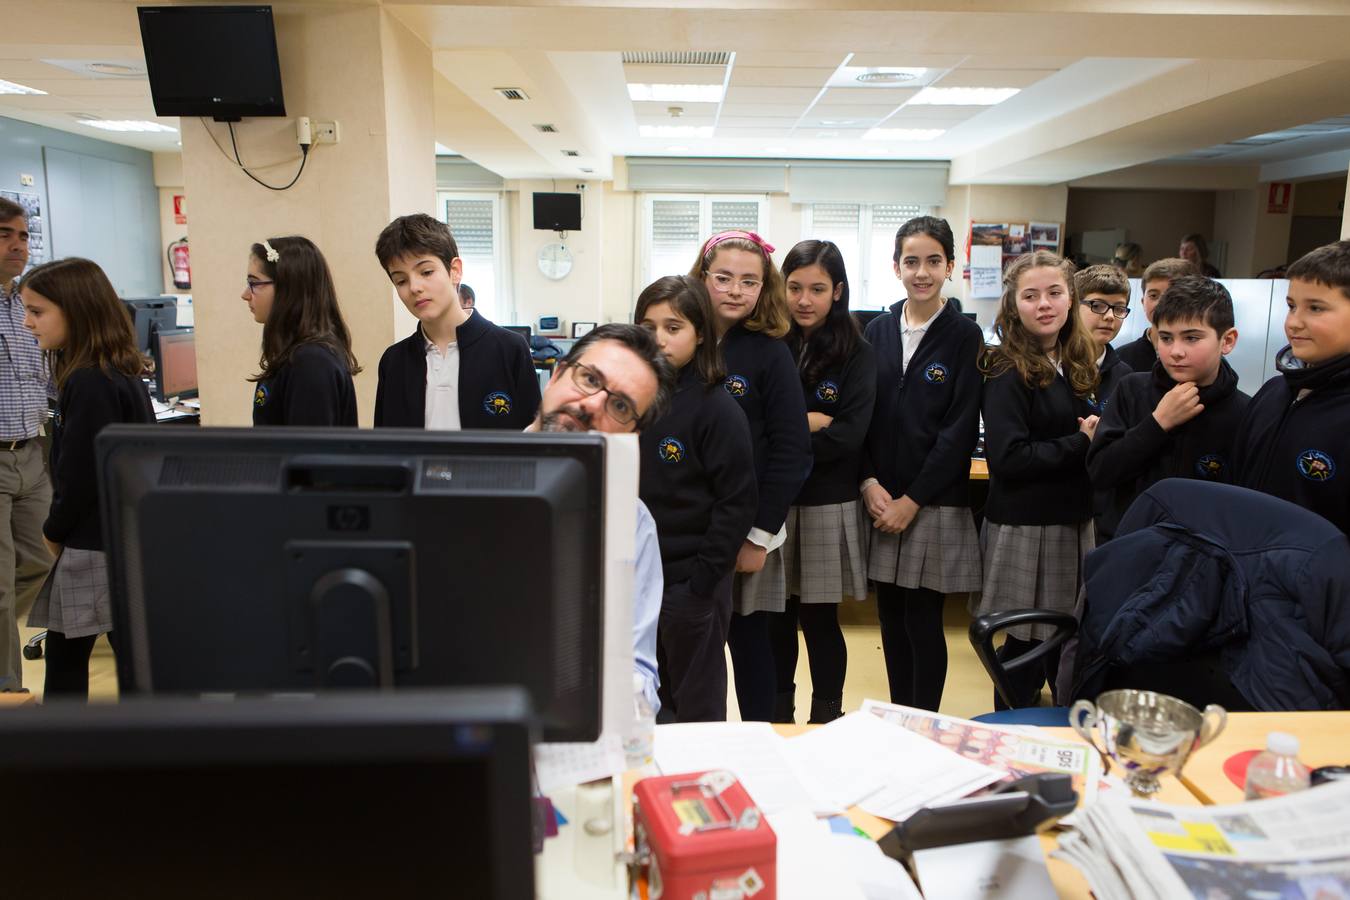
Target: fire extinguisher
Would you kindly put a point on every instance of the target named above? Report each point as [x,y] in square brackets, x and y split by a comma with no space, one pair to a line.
[180,264]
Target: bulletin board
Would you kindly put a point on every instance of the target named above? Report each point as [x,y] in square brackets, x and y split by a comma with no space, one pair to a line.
[993,245]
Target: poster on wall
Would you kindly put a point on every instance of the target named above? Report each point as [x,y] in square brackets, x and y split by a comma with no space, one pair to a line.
[986,271]
[37,237]
[1015,242]
[1045,236]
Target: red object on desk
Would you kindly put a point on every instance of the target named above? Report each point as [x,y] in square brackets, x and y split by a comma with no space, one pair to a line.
[1235,767]
[701,835]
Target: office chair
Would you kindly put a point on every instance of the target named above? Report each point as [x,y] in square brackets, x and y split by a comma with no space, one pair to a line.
[33,649]
[982,632]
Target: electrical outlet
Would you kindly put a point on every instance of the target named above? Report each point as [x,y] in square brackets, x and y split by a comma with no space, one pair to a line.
[26,180]
[325,132]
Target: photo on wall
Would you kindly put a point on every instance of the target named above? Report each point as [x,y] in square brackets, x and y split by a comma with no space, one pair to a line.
[37,238]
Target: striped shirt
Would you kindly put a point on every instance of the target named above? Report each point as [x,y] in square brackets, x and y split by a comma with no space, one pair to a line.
[24,380]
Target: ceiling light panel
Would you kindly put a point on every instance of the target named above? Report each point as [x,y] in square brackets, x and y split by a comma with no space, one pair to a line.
[675,93]
[880,78]
[903,134]
[675,131]
[10,87]
[129,125]
[963,96]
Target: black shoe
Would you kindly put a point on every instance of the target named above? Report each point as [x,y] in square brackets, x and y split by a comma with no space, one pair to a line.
[784,708]
[825,709]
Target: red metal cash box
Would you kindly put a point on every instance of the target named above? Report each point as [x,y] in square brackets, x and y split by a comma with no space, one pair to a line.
[701,837]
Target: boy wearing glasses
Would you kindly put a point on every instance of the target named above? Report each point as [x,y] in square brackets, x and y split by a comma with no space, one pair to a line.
[1104,292]
[457,370]
[1179,420]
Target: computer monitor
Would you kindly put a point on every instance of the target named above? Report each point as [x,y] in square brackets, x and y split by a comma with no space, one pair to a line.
[293,559]
[175,354]
[151,314]
[345,796]
[523,330]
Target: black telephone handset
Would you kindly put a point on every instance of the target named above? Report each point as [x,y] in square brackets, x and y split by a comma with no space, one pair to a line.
[1015,809]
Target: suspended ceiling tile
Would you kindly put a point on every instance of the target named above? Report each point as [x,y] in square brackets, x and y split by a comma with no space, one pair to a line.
[864,96]
[775,95]
[777,76]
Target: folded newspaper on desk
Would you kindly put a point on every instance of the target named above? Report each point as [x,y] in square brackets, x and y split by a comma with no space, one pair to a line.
[1295,847]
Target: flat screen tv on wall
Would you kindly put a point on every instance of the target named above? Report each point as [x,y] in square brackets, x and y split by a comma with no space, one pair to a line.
[217,61]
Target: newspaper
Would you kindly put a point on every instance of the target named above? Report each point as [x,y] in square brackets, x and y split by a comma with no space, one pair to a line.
[1295,847]
[1012,751]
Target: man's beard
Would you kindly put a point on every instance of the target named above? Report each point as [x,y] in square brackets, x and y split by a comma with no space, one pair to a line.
[565,418]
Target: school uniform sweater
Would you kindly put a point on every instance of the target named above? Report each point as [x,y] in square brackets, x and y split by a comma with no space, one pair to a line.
[698,482]
[1035,452]
[847,393]
[926,421]
[313,388]
[1298,449]
[1112,370]
[1139,354]
[90,400]
[1131,451]
[762,379]
[498,387]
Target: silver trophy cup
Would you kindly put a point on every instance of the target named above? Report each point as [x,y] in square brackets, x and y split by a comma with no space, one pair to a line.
[1146,733]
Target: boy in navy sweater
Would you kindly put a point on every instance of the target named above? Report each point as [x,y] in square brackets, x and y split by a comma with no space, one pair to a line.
[1140,354]
[1180,420]
[457,370]
[1295,437]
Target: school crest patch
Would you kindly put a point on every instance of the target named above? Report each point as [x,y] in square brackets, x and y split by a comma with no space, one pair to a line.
[935,373]
[827,392]
[737,385]
[1211,465]
[261,395]
[1315,465]
[671,450]
[497,404]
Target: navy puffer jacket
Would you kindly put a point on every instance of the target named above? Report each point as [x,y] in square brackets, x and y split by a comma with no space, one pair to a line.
[1199,567]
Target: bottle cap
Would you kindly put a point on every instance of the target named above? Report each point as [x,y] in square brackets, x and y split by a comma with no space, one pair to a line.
[1281,743]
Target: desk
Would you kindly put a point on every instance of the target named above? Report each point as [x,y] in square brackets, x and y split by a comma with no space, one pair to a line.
[10,699]
[979,470]
[1323,737]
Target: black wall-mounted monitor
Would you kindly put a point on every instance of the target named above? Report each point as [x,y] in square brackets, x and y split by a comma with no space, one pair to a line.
[150,315]
[557,212]
[218,61]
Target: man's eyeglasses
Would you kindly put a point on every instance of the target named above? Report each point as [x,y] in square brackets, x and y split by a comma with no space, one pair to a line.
[252,285]
[620,408]
[1101,308]
[723,283]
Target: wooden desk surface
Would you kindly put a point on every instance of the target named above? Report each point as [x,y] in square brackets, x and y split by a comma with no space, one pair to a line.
[1324,740]
[979,470]
[8,699]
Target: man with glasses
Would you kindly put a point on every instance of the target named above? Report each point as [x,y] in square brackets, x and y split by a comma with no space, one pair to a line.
[25,492]
[1104,292]
[616,380]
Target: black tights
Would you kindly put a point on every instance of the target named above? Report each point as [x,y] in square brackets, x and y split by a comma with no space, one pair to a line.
[826,652]
[752,665]
[914,644]
[68,665]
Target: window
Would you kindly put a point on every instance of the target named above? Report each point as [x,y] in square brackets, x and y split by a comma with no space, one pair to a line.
[475,220]
[865,235]
[676,225]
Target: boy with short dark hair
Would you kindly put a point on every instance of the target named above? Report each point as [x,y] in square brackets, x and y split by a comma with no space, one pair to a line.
[1140,354]
[1180,420]
[458,370]
[1295,436]
[1104,292]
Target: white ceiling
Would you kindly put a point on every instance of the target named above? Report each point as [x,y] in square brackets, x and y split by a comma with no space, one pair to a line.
[1175,80]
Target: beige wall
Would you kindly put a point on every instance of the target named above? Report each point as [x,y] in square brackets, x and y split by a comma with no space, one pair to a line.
[1154,219]
[169,181]
[332,71]
[576,298]
[1324,197]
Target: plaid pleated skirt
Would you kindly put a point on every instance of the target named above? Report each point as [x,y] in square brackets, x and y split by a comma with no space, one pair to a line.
[762,591]
[1032,567]
[939,551]
[825,556]
[74,599]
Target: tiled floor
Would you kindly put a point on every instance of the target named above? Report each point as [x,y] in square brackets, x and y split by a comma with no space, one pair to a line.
[968,690]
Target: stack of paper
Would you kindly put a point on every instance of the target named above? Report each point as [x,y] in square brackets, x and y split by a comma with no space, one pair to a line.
[890,772]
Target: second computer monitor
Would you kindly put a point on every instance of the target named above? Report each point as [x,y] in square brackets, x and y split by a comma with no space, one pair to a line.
[175,355]
[290,559]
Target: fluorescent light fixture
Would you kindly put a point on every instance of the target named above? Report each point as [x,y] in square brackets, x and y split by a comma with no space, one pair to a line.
[9,87]
[903,134]
[675,131]
[961,96]
[676,93]
[137,125]
[889,77]
[838,123]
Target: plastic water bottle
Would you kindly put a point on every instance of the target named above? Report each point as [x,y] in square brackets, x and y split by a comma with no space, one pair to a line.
[641,734]
[1276,771]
